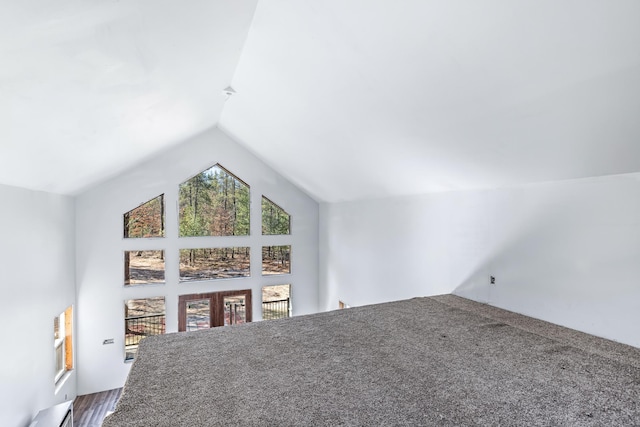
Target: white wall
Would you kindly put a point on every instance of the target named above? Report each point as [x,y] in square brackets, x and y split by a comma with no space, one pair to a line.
[100,247]
[566,252]
[37,280]
[370,253]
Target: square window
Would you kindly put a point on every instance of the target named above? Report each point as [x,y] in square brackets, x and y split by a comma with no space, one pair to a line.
[143,268]
[276,260]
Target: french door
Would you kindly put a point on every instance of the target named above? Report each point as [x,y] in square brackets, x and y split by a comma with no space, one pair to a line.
[202,311]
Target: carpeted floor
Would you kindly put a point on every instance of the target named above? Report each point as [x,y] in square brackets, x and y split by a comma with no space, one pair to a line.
[426,361]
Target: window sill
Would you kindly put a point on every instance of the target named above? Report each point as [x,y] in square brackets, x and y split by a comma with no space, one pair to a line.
[63,379]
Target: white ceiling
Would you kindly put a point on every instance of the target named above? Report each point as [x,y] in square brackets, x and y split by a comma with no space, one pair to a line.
[349,99]
[91,87]
[371,98]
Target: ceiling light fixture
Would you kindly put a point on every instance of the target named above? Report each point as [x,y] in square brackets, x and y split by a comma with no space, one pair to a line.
[228,91]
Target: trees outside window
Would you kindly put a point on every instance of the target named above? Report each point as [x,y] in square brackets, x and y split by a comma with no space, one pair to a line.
[147,220]
[214,263]
[214,203]
[275,220]
[143,267]
[276,260]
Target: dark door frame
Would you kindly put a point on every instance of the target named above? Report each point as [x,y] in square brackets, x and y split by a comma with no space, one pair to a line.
[216,306]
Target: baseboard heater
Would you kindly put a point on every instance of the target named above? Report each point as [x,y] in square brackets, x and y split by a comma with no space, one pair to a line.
[57,416]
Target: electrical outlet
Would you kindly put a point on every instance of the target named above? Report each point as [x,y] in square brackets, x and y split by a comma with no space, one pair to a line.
[492,280]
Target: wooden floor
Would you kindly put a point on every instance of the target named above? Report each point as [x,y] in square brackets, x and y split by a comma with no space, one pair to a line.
[89,410]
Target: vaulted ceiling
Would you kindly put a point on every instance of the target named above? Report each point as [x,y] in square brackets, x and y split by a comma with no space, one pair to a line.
[89,88]
[349,99]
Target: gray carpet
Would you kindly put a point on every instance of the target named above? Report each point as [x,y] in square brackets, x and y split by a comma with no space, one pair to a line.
[439,361]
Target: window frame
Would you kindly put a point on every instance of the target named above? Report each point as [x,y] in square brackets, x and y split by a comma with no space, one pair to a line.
[182,207]
[216,306]
[268,201]
[265,303]
[63,344]
[127,280]
[133,350]
[267,262]
[241,251]
[127,219]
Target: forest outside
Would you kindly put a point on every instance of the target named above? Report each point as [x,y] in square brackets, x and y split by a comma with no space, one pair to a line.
[214,263]
[214,203]
[276,260]
[147,220]
[143,267]
[275,220]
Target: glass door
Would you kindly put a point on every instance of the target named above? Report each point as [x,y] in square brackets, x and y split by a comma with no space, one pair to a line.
[198,314]
[202,311]
[235,310]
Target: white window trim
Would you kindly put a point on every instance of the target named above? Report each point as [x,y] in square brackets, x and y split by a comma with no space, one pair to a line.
[60,343]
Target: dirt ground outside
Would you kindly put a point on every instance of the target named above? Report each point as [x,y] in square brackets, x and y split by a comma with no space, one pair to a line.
[145,267]
[148,267]
[207,264]
[276,292]
[145,316]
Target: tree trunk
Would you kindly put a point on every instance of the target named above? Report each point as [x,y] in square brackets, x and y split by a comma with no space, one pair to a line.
[162,215]
[127,263]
